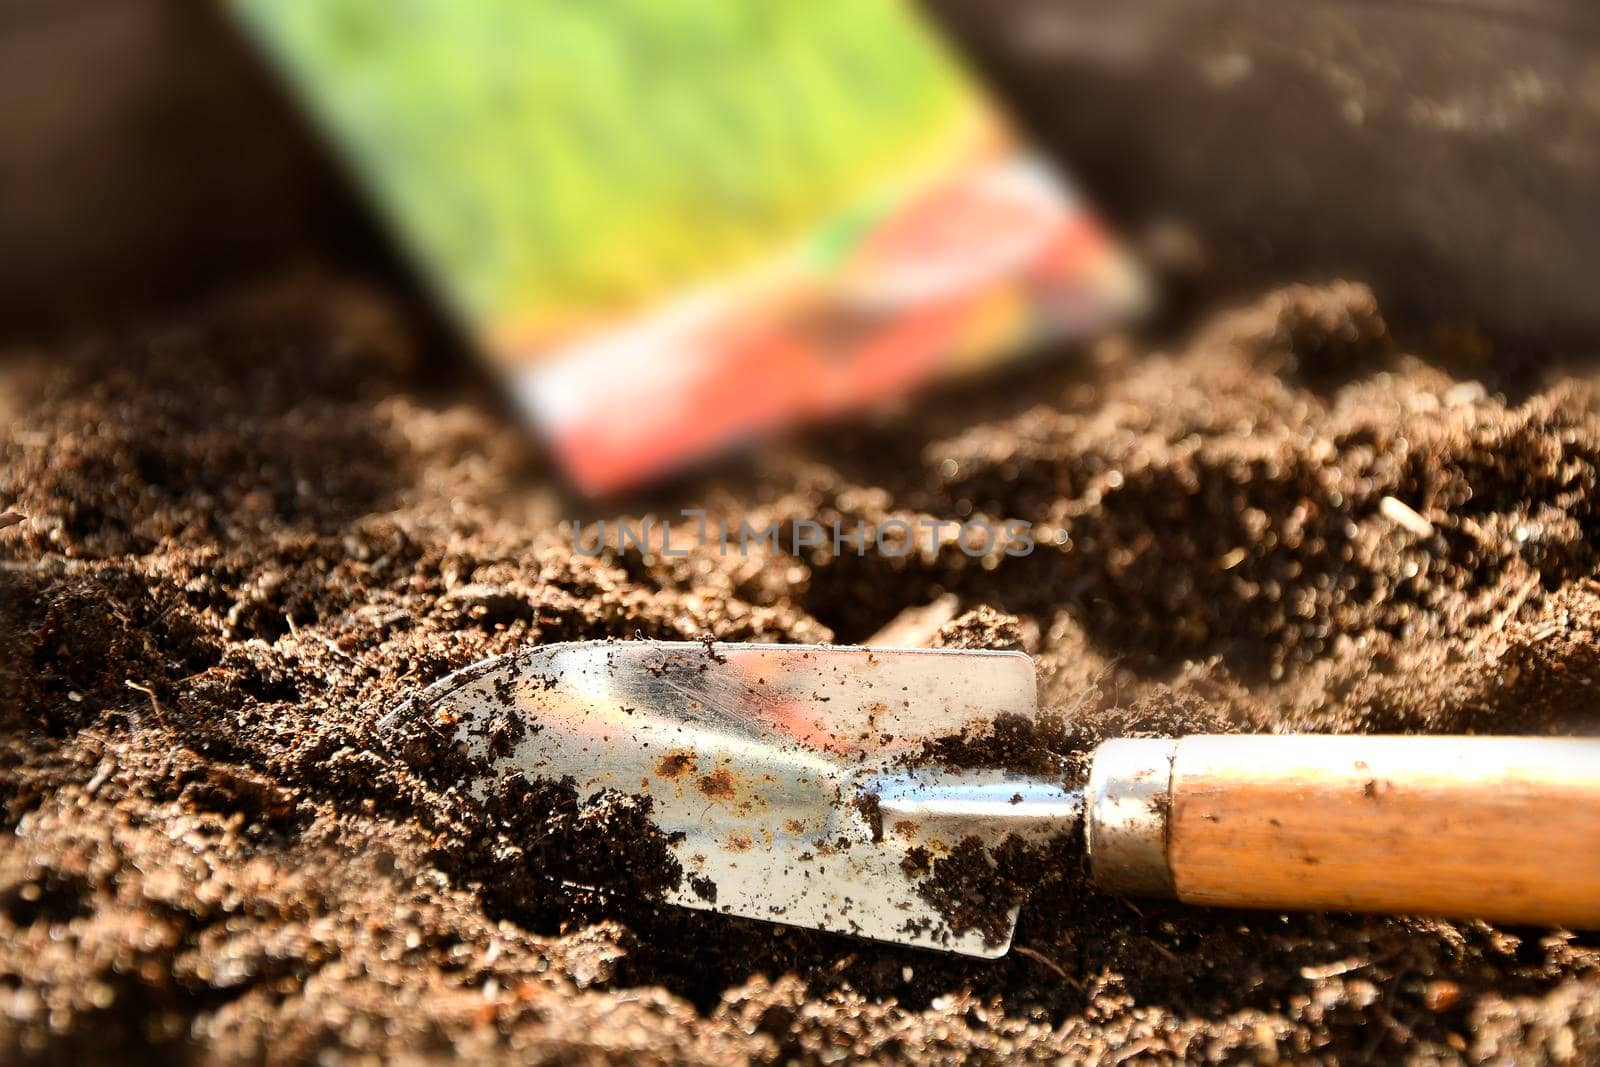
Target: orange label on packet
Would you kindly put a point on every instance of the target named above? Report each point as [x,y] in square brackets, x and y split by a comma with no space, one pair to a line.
[677,227]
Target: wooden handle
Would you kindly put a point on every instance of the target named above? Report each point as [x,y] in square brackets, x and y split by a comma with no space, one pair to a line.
[1492,827]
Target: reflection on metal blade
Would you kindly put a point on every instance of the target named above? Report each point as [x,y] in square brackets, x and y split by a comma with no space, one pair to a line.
[755,757]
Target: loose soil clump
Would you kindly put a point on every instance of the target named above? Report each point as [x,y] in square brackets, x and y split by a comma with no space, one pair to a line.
[253,532]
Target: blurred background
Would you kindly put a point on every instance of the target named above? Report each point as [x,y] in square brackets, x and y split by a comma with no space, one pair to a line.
[146,158]
[1444,151]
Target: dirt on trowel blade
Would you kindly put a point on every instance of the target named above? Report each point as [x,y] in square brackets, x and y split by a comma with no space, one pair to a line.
[758,766]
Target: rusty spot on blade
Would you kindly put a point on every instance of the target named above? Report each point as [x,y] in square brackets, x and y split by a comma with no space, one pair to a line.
[676,764]
[717,785]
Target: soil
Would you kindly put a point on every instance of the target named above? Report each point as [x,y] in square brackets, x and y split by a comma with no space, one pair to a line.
[252,531]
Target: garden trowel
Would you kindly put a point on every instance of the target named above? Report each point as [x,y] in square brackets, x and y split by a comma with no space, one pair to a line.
[813,786]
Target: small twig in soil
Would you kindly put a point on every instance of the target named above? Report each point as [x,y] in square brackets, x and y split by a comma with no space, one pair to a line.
[1142,1047]
[917,625]
[101,774]
[1518,598]
[1040,958]
[1172,957]
[1333,970]
[155,705]
[1405,516]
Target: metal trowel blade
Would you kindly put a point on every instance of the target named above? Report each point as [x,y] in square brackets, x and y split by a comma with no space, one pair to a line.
[756,757]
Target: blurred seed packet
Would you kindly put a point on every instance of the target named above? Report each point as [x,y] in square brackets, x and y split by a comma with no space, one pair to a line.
[677,226]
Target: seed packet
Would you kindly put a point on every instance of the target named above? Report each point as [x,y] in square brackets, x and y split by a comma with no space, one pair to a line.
[678,226]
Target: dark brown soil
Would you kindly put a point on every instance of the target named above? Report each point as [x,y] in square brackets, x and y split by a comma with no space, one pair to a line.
[252,533]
